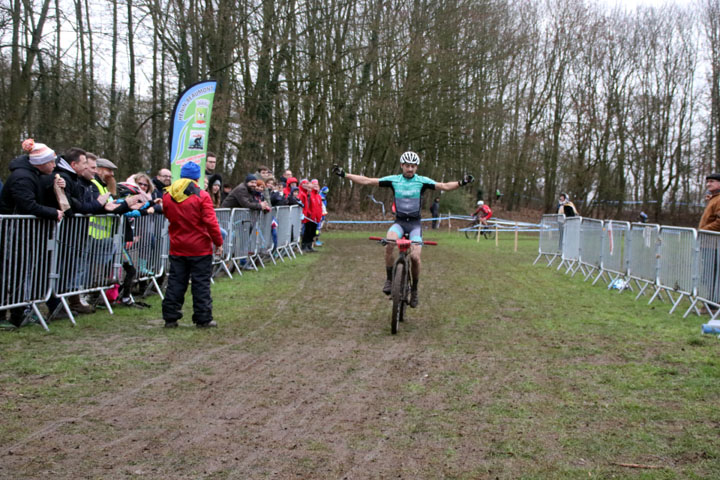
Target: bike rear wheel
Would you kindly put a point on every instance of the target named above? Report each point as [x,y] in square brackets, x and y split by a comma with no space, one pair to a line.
[488,233]
[399,288]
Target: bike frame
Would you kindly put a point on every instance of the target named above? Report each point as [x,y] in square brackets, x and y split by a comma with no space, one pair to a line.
[401,293]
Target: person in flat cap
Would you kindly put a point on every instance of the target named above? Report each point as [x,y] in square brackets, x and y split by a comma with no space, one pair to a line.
[194,237]
[710,219]
[243,196]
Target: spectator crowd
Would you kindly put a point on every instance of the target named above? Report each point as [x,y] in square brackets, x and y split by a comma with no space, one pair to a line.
[51,186]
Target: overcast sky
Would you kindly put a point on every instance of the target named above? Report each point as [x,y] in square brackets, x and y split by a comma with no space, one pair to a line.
[630,4]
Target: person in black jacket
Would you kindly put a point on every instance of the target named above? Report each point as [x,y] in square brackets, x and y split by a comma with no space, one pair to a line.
[160,181]
[28,189]
[277,198]
[26,193]
[72,166]
[435,211]
[78,169]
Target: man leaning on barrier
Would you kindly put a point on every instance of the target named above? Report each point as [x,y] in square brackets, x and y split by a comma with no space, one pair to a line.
[27,192]
[710,220]
[243,196]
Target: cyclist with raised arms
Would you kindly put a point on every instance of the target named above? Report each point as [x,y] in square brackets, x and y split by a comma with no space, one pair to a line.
[408,189]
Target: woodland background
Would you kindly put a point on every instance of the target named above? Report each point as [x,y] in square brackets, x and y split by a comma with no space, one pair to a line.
[620,108]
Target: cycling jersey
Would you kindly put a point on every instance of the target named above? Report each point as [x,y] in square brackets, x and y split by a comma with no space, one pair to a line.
[408,193]
[484,212]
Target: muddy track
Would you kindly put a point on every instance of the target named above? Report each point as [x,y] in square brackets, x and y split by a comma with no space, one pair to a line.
[323,399]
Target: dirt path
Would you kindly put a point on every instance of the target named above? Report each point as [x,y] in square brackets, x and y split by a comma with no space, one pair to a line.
[331,396]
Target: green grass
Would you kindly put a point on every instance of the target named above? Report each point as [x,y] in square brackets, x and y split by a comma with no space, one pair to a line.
[507,370]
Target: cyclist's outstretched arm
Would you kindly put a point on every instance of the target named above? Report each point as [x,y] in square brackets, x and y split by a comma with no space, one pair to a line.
[360,179]
[447,186]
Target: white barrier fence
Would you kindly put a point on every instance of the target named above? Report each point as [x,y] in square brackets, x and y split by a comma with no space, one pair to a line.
[671,262]
[45,261]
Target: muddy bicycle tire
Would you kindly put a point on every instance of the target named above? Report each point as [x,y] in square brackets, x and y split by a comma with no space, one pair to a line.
[398,296]
[488,233]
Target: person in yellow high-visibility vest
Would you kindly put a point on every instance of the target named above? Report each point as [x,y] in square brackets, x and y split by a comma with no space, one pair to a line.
[101,229]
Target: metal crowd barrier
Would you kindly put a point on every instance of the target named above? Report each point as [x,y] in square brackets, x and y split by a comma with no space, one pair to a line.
[591,247]
[255,242]
[284,231]
[265,244]
[550,238]
[677,263]
[296,226]
[220,263]
[150,241]
[615,250]
[89,249]
[28,254]
[240,232]
[570,255]
[672,262]
[643,262]
[707,287]
[44,261]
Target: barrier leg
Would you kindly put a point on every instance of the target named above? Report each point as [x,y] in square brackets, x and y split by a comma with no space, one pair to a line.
[612,280]
[252,262]
[538,258]
[67,310]
[642,290]
[157,287]
[237,265]
[677,302]
[225,267]
[693,307]
[40,317]
[655,295]
[272,257]
[106,302]
[600,275]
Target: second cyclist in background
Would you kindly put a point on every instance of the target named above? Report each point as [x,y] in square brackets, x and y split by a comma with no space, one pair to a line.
[482,213]
[408,188]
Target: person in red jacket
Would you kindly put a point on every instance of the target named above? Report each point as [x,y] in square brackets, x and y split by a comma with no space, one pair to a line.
[193,231]
[312,214]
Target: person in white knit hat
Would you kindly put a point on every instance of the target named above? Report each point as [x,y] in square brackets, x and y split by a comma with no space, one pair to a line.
[28,191]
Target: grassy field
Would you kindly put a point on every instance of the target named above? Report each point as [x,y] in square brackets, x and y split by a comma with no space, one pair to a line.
[505,370]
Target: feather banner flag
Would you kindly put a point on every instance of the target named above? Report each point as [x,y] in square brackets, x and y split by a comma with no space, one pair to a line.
[190,126]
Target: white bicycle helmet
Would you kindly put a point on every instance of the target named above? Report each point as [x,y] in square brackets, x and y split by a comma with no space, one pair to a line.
[410,157]
[480,203]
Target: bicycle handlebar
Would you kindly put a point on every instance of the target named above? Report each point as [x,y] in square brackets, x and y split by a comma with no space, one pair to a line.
[390,240]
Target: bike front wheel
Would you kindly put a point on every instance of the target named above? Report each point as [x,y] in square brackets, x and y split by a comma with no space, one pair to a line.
[398,297]
[471,234]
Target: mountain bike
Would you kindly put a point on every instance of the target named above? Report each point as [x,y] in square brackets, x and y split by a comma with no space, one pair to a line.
[476,228]
[401,278]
